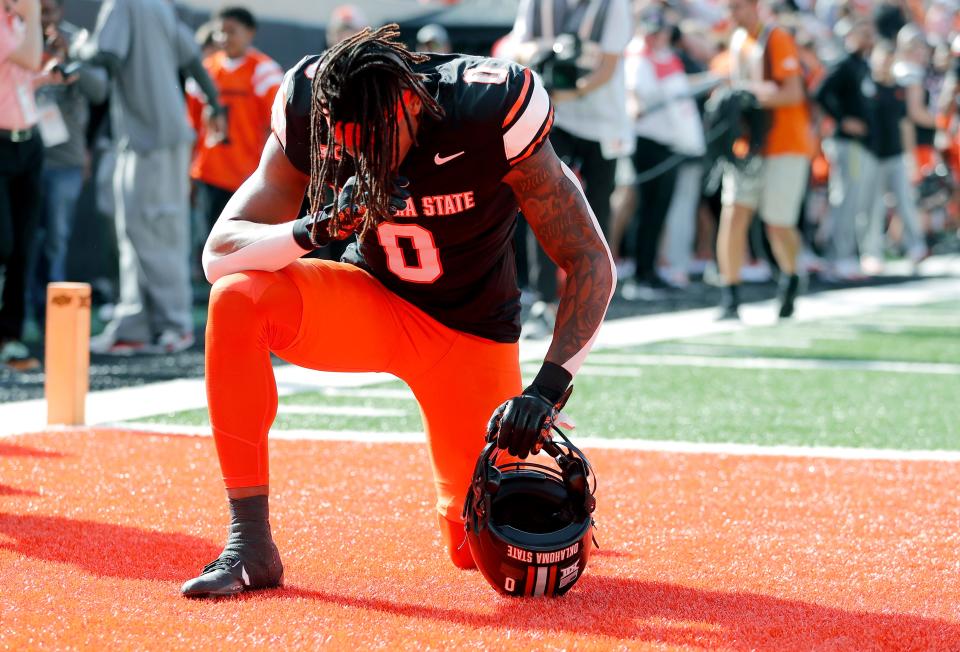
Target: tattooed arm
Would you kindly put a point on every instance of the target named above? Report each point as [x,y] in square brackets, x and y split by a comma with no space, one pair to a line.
[554,205]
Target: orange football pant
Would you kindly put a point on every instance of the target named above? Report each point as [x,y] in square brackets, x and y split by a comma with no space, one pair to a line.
[337,317]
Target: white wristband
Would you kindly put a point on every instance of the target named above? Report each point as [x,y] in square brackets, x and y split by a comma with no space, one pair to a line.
[274,249]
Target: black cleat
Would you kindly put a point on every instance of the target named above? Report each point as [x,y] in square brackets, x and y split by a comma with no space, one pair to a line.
[786,309]
[789,286]
[729,303]
[728,313]
[247,563]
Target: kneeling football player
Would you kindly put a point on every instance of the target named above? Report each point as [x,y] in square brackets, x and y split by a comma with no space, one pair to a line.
[428,158]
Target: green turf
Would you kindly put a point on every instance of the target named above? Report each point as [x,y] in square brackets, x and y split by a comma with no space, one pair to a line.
[768,407]
[928,334]
[310,422]
[822,407]
[755,406]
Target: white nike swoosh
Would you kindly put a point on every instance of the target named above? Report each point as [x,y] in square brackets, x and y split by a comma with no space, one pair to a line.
[243,574]
[440,160]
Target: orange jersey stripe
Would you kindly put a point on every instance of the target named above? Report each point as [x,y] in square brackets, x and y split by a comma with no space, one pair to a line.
[524,93]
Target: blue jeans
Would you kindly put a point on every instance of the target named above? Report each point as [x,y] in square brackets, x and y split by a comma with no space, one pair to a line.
[60,191]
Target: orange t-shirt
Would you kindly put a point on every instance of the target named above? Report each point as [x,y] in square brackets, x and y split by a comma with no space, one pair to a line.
[790,128]
[720,63]
[247,87]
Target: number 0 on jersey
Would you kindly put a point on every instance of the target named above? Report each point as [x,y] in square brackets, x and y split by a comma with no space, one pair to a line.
[393,237]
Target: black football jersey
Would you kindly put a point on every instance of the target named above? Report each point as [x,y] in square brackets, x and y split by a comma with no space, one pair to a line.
[450,253]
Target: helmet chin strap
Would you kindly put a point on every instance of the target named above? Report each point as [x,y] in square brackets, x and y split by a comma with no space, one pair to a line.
[574,469]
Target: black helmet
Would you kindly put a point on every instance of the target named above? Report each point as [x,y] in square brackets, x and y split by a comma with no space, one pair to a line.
[530,526]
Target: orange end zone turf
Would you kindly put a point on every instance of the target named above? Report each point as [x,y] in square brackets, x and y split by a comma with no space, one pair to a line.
[98,530]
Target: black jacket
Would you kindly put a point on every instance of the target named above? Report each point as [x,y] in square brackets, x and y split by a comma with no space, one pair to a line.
[890,108]
[847,91]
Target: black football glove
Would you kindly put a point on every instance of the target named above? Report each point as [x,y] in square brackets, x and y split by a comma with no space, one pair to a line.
[311,233]
[522,424]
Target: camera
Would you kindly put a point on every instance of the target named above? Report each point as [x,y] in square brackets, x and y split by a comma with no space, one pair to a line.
[68,68]
[557,66]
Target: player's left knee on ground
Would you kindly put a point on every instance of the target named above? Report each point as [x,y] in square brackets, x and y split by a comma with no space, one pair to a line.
[455,540]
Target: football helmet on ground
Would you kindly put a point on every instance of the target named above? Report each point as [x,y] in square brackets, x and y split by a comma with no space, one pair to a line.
[530,525]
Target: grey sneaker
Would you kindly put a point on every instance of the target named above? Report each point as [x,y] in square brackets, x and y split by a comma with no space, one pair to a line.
[16,355]
[646,290]
[539,325]
[107,344]
[171,341]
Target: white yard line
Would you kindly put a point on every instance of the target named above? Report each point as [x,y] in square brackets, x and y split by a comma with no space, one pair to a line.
[600,359]
[369,392]
[587,443]
[390,437]
[905,321]
[174,396]
[789,341]
[130,403]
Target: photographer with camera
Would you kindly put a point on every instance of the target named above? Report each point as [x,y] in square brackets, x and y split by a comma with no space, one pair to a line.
[64,95]
[577,48]
[21,156]
[765,63]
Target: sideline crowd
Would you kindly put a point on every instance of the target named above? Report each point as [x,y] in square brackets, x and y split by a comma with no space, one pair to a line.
[835,122]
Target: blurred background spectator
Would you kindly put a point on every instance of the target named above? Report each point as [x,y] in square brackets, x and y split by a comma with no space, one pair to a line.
[65,110]
[892,177]
[577,47]
[878,201]
[687,42]
[668,131]
[205,37]
[145,47]
[345,21]
[434,38]
[21,165]
[764,63]
[847,94]
[247,81]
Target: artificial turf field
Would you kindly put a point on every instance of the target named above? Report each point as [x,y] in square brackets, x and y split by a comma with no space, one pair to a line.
[781,488]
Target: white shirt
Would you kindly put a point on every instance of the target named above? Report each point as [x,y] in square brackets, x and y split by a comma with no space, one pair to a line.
[600,115]
[668,114]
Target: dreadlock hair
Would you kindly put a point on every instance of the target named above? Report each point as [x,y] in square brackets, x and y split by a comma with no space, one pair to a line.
[361,80]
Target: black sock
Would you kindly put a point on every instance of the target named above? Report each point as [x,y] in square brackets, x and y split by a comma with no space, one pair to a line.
[788,286]
[252,508]
[250,517]
[730,296]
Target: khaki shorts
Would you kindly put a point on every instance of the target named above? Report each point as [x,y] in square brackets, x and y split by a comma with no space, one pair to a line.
[775,188]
